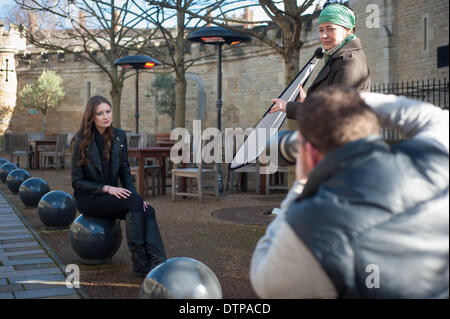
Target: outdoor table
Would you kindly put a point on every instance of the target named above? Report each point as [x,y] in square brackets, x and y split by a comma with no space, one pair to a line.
[161,153]
[37,145]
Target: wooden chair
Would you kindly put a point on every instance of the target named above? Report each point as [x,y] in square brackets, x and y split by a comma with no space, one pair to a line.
[198,172]
[163,136]
[152,167]
[277,180]
[35,136]
[58,154]
[152,170]
[233,142]
[20,148]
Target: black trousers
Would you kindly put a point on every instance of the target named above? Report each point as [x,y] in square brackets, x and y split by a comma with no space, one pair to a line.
[106,205]
[143,236]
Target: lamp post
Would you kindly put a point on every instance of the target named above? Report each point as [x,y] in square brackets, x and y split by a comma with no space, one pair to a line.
[137,62]
[218,36]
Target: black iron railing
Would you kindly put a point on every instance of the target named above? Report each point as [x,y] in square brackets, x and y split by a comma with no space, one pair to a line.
[432,91]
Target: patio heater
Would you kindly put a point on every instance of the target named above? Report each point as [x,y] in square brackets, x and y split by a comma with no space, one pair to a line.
[137,62]
[218,36]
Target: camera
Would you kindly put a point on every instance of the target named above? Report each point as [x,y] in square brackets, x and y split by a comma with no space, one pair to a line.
[287,147]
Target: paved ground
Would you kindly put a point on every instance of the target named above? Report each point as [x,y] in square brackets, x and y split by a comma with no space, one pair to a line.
[187,228]
[27,268]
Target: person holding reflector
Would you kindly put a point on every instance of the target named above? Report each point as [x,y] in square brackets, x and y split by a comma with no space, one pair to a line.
[345,62]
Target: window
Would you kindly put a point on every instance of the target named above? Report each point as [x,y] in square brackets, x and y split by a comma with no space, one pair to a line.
[27,58]
[60,56]
[77,55]
[44,57]
[88,91]
[425,34]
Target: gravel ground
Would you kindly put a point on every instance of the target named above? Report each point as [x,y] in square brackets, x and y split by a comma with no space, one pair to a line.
[187,229]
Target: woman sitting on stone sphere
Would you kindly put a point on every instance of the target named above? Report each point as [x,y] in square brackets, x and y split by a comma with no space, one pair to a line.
[99,160]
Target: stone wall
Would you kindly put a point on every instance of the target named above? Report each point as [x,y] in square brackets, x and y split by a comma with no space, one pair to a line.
[394,49]
[252,75]
[412,62]
[10,43]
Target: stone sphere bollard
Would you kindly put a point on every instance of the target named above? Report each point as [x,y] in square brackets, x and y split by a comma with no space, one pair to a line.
[15,178]
[57,209]
[181,278]
[32,190]
[95,240]
[5,169]
[3,161]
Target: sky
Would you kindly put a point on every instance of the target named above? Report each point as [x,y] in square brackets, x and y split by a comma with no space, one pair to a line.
[258,13]
[3,8]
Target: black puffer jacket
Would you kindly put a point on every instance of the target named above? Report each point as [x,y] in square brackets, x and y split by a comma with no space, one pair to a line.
[89,178]
[367,207]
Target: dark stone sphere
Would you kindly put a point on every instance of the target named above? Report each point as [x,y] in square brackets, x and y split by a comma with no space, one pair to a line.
[57,209]
[3,161]
[5,169]
[32,190]
[95,240]
[181,278]
[15,178]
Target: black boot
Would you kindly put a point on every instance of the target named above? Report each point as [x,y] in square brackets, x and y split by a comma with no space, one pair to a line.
[135,226]
[153,243]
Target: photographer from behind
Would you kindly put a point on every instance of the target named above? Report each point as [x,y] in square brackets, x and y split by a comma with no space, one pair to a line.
[372,220]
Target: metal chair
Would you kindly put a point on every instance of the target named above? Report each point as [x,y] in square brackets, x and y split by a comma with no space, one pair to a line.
[58,154]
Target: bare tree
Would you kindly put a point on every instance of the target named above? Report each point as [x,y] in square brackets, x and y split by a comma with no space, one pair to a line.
[173,25]
[98,31]
[288,15]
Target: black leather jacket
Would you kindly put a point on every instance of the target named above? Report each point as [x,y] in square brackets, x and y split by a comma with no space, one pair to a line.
[89,178]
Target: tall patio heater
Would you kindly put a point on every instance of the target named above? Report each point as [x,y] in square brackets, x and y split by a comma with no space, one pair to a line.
[218,36]
[137,62]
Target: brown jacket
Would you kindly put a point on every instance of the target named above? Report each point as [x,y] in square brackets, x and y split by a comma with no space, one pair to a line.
[348,67]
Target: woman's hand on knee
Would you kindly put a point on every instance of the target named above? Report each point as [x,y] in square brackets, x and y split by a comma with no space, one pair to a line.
[118,192]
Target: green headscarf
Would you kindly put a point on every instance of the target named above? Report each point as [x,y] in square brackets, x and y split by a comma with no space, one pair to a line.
[338,14]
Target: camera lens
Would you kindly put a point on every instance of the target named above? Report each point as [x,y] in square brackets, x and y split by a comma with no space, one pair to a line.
[287,147]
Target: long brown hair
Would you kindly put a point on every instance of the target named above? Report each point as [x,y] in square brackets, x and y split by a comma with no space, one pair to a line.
[86,133]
